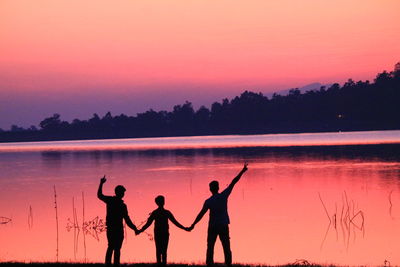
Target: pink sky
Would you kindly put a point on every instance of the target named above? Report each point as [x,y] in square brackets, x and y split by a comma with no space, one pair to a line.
[80,57]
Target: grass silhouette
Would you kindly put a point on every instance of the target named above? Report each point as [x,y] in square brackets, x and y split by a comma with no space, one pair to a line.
[67,264]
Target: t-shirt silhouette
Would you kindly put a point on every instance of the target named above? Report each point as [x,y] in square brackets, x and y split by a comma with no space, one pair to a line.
[116,212]
[218,206]
[161,217]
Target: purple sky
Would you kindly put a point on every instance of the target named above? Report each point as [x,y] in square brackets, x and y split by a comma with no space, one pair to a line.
[77,58]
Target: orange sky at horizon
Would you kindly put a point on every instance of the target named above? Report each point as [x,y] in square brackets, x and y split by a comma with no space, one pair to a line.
[144,47]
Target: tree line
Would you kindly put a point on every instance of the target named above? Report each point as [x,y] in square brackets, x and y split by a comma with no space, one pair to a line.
[361,105]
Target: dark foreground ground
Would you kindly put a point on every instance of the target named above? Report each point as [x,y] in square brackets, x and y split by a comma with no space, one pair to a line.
[37,264]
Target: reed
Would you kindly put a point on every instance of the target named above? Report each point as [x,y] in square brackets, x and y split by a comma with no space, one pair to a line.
[4,220]
[83,223]
[326,211]
[297,263]
[301,262]
[56,209]
[351,219]
[30,217]
[76,227]
[390,198]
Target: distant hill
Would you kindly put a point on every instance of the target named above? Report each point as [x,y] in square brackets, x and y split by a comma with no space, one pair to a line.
[309,87]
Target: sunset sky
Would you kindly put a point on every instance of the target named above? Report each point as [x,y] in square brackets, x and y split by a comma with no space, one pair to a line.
[79,57]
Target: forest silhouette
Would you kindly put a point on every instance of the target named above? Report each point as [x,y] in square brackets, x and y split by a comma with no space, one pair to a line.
[354,106]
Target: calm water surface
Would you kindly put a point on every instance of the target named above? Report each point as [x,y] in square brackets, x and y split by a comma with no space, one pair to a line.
[299,200]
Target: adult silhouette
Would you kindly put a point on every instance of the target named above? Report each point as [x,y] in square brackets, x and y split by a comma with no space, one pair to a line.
[116,213]
[160,216]
[218,224]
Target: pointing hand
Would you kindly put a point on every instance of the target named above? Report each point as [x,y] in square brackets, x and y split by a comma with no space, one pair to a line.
[103,180]
[245,167]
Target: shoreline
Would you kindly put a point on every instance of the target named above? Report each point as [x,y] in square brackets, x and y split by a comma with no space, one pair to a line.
[77,264]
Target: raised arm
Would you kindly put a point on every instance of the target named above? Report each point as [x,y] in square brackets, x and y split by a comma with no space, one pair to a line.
[237,178]
[147,224]
[199,216]
[100,190]
[174,221]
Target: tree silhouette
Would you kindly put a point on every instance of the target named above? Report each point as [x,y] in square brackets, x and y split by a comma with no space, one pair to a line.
[51,123]
[360,105]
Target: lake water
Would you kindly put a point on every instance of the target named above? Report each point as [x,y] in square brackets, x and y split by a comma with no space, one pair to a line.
[325,198]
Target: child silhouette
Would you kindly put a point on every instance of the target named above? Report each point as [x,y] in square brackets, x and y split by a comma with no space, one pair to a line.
[160,216]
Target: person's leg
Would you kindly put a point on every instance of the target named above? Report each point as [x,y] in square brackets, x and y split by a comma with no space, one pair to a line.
[226,244]
[117,256]
[158,241]
[110,247]
[211,238]
[109,255]
[164,249]
[119,238]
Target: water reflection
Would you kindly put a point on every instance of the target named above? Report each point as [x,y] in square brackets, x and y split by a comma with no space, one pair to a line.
[361,152]
[321,204]
[348,219]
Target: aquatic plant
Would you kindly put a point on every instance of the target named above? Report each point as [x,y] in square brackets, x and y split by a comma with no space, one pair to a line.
[4,220]
[349,220]
[55,207]
[30,217]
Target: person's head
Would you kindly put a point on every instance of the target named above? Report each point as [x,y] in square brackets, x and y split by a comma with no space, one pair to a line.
[160,200]
[214,187]
[119,191]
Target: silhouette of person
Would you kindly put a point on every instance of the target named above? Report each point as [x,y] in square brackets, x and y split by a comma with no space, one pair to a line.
[218,224]
[160,216]
[116,213]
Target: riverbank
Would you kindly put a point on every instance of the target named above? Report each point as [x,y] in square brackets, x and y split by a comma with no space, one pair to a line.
[69,264]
